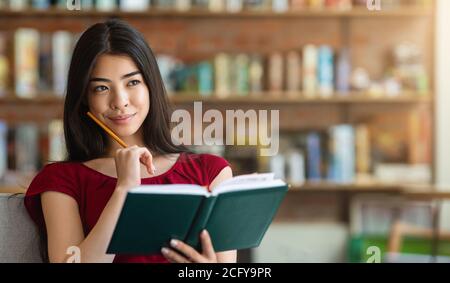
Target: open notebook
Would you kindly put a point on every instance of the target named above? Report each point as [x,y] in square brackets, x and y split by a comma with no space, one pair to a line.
[236,214]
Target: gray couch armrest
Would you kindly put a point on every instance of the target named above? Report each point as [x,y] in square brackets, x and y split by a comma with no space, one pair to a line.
[19,236]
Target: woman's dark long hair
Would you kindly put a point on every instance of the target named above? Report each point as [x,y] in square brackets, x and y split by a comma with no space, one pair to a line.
[84,139]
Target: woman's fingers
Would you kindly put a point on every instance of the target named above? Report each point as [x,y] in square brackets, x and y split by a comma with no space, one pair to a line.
[207,246]
[173,256]
[187,250]
[146,158]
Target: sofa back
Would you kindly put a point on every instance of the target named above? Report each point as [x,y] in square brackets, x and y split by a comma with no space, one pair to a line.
[19,236]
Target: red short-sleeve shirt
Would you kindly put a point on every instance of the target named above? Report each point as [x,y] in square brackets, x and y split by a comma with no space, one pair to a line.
[92,189]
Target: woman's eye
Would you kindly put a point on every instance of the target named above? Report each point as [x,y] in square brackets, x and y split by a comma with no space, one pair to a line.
[100,88]
[133,83]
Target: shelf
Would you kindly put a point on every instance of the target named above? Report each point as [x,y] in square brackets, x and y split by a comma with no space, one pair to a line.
[260,98]
[198,13]
[420,192]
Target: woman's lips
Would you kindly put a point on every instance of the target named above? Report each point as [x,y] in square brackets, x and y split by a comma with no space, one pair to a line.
[122,119]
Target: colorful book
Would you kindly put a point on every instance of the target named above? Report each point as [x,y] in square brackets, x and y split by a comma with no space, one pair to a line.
[3,148]
[343,72]
[276,72]
[18,5]
[234,6]
[296,165]
[26,45]
[217,5]
[62,50]
[256,72]
[342,168]
[314,157]
[363,159]
[222,68]
[310,71]
[183,5]
[26,147]
[4,65]
[280,6]
[242,74]
[105,5]
[325,72]
[293,73]
[134,5]
[40,4]
[236,214]
[205,78]
[45,62]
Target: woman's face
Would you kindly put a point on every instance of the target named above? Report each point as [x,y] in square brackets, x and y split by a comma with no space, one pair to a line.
[118,95]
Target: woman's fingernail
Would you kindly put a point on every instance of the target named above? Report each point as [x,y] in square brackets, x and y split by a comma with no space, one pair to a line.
[204,232]
[173,243]
[165,251]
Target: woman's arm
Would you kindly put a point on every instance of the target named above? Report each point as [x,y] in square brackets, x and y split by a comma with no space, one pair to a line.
[64,227]
[62,218]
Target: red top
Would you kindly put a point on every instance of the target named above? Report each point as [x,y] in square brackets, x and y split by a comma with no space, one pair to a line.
[92,189]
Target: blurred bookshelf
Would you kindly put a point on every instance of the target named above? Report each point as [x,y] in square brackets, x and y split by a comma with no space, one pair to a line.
[201,34]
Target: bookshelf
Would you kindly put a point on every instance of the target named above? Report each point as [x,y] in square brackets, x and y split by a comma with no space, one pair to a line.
[198,34]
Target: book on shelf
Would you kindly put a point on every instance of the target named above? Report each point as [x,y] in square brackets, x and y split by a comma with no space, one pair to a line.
[293,72]
[256,72]
[4,65]
[45,62]
[280,6]
[275,72]
[313,145]
[325,76]
[222,66]
[241,80]
[26,147]
[62,50]
[183,5]
[205,79]
[342,165]
[236,214]
[309,71]
[134,5]
[3,148]
[234,6]
[26,50]
[105,5]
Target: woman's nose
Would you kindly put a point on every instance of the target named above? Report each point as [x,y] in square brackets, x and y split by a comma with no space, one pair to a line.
[120,100]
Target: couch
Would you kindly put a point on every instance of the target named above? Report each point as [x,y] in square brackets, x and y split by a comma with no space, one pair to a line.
[19,236]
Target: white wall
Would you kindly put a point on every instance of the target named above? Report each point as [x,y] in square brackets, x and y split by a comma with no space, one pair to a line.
[442,102]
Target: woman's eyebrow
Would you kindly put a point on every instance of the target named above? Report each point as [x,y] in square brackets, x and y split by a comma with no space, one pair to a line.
[108,80]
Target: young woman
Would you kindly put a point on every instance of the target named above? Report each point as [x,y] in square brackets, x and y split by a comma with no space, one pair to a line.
[114,75]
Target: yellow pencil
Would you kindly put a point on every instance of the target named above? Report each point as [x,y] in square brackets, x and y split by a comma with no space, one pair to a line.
[108,130]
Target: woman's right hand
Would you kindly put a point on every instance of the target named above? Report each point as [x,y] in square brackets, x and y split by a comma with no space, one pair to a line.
[128,166]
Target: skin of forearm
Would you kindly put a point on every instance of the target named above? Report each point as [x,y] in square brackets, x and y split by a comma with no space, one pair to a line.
[93,247]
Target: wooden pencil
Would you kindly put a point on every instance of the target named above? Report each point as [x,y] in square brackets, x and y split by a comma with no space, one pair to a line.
[108,130]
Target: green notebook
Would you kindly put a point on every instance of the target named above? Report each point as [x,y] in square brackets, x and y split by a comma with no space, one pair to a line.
[236,214]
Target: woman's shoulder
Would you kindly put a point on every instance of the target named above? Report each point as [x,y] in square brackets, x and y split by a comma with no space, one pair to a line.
[206,164]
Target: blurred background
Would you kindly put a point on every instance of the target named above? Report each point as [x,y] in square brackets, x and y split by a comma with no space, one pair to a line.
[362,88]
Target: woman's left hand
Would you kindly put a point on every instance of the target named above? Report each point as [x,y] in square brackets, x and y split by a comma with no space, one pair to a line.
[183,253]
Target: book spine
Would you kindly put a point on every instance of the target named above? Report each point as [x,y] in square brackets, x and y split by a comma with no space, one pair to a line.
[62,47]
[201,219]
[205,78]
[3,148]
[26,62]
[4,65]
[314,157]
[310,71]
